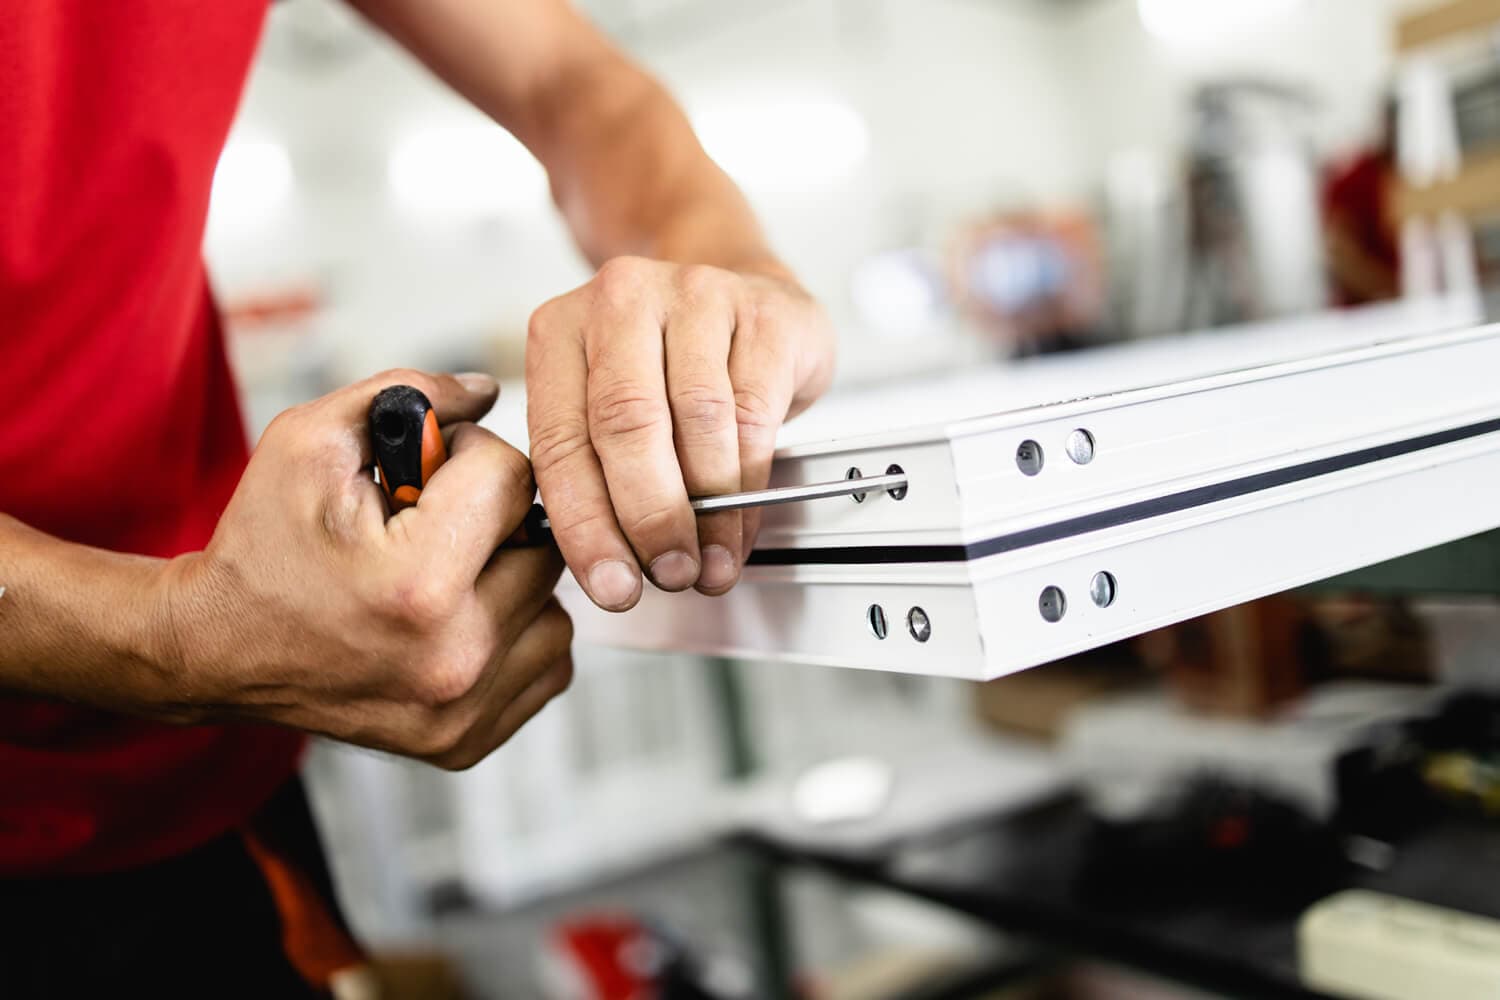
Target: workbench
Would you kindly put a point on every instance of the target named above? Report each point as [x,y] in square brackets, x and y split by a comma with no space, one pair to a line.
[1029,873]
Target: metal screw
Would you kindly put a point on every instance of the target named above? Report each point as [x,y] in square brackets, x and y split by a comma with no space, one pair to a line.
[899,493]
[876,617]
[1081,446]
[1102,589]
[1029,458]
[854,473]
[919,625]
[1053,604]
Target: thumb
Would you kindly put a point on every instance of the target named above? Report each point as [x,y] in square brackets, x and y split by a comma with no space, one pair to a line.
[454,398]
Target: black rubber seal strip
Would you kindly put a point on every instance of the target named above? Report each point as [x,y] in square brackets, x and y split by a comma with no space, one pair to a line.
[1201,496]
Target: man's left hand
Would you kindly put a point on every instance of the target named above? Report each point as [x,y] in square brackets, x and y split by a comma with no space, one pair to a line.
[656,382]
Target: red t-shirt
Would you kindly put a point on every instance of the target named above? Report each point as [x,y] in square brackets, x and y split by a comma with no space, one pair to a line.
[120,426]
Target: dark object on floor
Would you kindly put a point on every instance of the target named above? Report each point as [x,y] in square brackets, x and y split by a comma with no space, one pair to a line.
[1215,837]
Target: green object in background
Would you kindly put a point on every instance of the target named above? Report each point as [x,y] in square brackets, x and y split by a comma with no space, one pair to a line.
[732,717]
[1469,566]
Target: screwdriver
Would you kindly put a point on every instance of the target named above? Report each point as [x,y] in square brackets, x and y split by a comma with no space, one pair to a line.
[409,448]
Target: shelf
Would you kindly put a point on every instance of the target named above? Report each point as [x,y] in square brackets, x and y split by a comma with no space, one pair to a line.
[1445,21]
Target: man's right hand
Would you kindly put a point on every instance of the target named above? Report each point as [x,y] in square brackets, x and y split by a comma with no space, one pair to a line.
[412,634]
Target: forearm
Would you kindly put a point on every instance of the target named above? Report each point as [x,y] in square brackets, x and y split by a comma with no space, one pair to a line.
[631,177]
[83,624]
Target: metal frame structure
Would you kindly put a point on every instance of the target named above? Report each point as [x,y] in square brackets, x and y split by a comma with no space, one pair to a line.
[1028,535]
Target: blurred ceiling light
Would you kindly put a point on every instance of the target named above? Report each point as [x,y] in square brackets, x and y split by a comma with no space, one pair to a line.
[785,145]
[464,172]
[1200,21]
[253,178]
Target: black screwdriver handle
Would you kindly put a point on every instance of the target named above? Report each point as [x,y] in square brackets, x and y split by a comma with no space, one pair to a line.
[408,446]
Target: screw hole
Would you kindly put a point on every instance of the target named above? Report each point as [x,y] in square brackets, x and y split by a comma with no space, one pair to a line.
[1029,458]
[854,473]
[899,493]
[1053,604]
[875,616]
[919,625]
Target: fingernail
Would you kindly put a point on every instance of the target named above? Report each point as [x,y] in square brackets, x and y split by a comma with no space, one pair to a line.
[477,382]
[719,568]
[674,571]
[612,584]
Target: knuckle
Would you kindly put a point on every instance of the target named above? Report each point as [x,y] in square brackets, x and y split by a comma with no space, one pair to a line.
[450,681]
[555,444]
[560,624]
[754,411]
[656,521]
[703,410]
[424,600]
[462,758]
[514,469]
[436,734]
[461,761]
[581,522]
[402,376]
[620,279]
[623,408]
[702,281]
[285,423]
[561,677]
[544,319]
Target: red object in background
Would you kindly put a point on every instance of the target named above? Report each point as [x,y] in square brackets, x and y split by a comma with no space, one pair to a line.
[598,958]
[273,310]
[1359,199]
[121,427]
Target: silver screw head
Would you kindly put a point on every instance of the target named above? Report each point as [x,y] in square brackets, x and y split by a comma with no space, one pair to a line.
[1102,589]
[1053,604]
[1081,447]
[919,625]
[875,616]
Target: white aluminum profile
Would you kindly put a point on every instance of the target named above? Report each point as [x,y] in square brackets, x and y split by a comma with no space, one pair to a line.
[1203,491]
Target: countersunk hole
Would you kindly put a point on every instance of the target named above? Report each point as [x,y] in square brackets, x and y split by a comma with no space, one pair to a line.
[1029,458]
[854,473]
[1053,604]
[899,493]
[875,616]
[919,625]
[1102,589]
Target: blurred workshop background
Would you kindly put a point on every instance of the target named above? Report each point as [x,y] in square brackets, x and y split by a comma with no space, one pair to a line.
[961,182]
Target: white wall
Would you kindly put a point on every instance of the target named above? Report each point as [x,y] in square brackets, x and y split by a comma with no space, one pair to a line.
[1133,88]
[964,102]
[970,105]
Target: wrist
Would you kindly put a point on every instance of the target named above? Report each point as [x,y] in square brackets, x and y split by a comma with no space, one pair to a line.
[174,638]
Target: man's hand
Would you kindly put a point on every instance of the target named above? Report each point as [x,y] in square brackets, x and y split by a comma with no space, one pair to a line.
[653,383]
[414,634]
